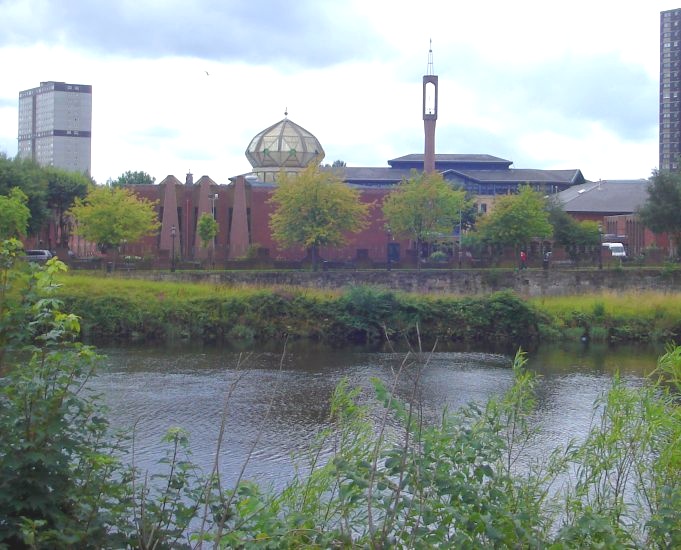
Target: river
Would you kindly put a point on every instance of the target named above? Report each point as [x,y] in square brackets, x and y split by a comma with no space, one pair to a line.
[155,388]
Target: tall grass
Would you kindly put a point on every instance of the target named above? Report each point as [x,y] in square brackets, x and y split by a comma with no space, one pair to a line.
[631,316]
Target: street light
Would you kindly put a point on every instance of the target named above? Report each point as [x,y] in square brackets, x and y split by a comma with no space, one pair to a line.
[172,261]
[212,198]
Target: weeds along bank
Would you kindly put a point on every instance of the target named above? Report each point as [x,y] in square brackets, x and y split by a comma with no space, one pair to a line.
[133,309]
[129,309]
[646,317]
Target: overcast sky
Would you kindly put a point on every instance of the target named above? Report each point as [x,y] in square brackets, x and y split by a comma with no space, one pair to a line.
[181,86]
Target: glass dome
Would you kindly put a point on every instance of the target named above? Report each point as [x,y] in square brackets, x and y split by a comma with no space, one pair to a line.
[284,145]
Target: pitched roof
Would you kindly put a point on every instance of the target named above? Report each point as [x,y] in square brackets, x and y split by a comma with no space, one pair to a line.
[376,175]
[477,158]
[606,196]
[522,175]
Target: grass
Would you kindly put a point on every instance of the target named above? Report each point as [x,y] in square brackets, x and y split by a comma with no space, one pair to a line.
[629,304]
[610,316]
[87,285]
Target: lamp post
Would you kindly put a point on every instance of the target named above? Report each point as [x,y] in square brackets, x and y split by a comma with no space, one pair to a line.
[600,246]
[172,259]
[387,250]
[212,198]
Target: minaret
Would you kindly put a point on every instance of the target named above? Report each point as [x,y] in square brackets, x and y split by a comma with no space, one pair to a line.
[429,113]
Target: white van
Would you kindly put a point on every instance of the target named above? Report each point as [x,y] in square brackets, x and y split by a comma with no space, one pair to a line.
[616,249]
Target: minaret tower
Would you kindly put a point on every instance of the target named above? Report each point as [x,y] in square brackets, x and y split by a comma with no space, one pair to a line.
[429,113]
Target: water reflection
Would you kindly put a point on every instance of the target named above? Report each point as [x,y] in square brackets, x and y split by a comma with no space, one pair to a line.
[154,389]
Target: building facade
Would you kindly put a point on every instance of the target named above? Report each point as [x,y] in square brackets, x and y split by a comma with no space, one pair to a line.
[670,88]
[242,208]
[55,125]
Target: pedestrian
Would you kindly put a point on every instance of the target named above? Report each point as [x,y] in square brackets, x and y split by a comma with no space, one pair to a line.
[523,260]
[547,258]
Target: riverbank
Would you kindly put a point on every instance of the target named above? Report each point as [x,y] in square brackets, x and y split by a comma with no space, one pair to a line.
[114,308]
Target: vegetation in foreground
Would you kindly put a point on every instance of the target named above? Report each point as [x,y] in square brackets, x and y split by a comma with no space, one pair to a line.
[391,480]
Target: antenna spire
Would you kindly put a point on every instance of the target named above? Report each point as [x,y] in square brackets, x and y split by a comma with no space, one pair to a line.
[285,112]
[429,70]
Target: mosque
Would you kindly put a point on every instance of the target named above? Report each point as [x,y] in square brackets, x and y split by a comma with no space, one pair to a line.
[242,210]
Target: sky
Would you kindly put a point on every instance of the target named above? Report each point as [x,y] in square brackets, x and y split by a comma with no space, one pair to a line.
[185,86]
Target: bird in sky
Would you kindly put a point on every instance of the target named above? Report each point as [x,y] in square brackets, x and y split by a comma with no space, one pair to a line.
[207,74]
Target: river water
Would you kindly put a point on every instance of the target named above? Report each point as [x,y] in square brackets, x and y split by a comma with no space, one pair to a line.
[280,402]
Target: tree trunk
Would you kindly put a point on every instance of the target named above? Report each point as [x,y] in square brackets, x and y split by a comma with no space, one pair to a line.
[313,253]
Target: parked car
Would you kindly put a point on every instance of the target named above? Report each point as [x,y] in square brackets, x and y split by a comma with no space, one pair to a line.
[40,256]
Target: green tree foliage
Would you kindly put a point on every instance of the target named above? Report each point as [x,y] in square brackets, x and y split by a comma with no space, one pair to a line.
[63,188]
[660,213]
[108,216]
[133,178]
[335,164]
[516,219]
[424,207]
[14,214]
[207,227]
[315,208]
[32,180]
[50,191]
[569,232]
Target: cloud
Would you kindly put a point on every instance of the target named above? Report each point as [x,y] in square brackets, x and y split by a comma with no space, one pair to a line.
[565,92]
[159,133]
[623,99]
[304,33]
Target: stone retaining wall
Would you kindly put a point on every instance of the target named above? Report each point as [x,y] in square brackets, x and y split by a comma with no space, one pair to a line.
[531,282]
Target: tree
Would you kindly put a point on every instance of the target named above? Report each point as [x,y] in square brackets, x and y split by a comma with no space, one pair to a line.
[14,214]
[571,233]
[110,215]
[32,180]
[660,213]
[207,228]
[315,208]
[423,208]
[63,188]
[336,164]
[133,178]
[50,191]
[516,219]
